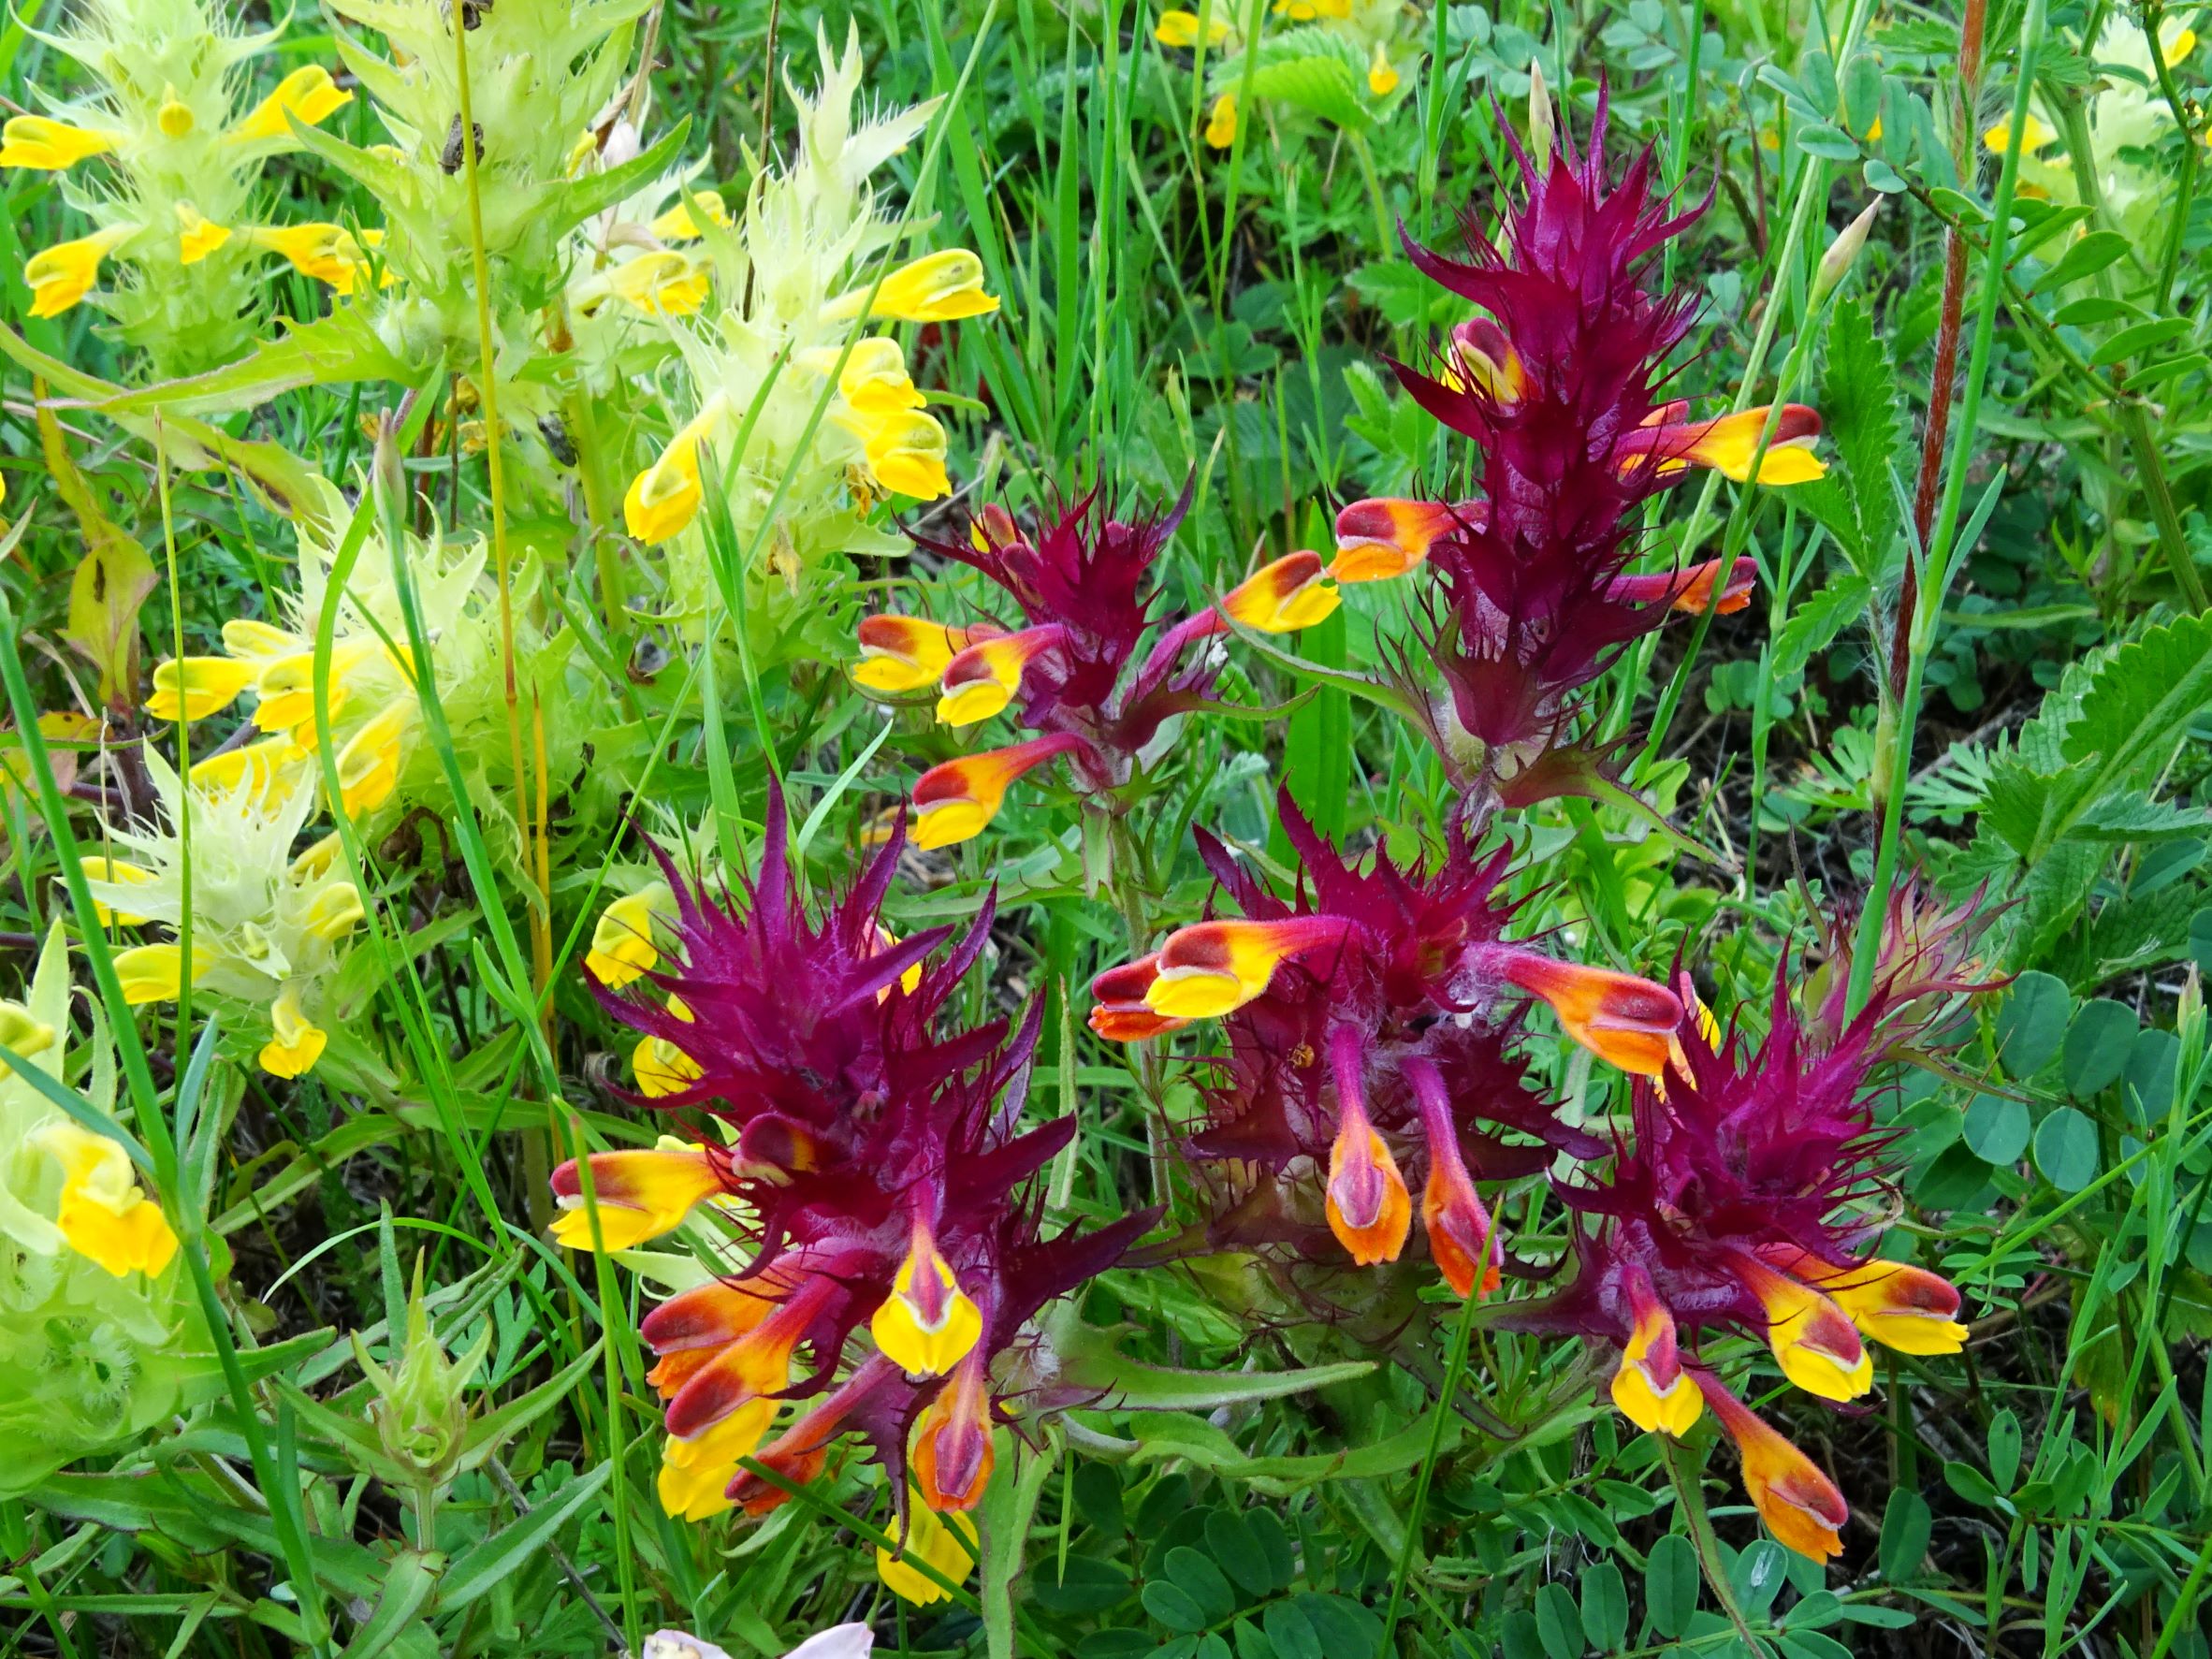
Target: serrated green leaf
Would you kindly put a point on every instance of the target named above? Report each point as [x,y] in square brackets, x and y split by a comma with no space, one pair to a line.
[1859,405]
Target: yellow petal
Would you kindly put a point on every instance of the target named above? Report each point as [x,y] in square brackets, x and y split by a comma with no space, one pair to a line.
[36,141]
[308,93]
[104,1214]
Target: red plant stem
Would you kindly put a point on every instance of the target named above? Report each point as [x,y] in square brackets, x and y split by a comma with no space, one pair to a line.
[1933,447]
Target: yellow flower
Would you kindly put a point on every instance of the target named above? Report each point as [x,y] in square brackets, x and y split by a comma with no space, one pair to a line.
[104,1214]
[1382,79]
[906,454]
[328,252]
[335,911]
[49,145]
[64,273]
[938,287]
[319,859]
[308,93]
[2178,47]
[22,1031]
[197,687]
[874,380]
[264,762]
[156,973]
[369,764]
[2034,134]
[175,117]
[664,498]
[1181,29]
[677,225]
[663,1068]
[946,1542]
[928,1323]
[198,236]
[114,870]
[661,284]
[1221,121]
[298,1042]
[622,946]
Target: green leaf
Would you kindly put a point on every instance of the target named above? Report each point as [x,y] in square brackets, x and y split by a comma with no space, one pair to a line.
[1906,1524]
[1814,624]
[1310,69]
[493,1560]
[1290,1631]
[1345,1629]
[1238,1552]
[1858,407]
[1671,1585]
[1604,1606]
[2004,1448]
[1084,1586]
[1172,1606]
[1829,143]
[1202,1582]
[2066,1149]
[2137,338]
[493,1429]
[1091,1360]
[2084,258]
[1998,1129]
[407,1585]
[1559,1622]
[1971,1484]
[2097,1046]
[336,350]
[2032,1024]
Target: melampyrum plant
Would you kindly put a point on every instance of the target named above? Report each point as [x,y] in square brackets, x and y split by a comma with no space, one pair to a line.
[163,154]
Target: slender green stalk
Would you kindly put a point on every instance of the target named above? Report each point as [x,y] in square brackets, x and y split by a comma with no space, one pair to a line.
[1936,581]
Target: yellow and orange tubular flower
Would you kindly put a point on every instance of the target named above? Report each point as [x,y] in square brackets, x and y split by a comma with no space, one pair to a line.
[954,802]
[722,1409]
[1383,538]
[1369,1209]
[1119,1013]
[1900,1306]
[1624,1021]
[1813,1340]
[1799,1504]
[927,1324]
[1652,1388]
[1727,443]
[1211,968]
[953,1455]
[1462,1237]
[1691,590]
[1283,597]
[905,653]
[637,1195]
[982,679]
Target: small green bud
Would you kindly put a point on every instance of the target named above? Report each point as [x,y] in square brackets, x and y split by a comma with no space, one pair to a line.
[1835,265]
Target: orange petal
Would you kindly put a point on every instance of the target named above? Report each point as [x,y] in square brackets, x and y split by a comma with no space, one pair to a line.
[1384,536]
[1211,968]
[1119,1014]
[982,679]
[1799,1504]
[955,801]
[952,1452]
[639,1195]
[1813,1340]
[1283,597]
[1621,1019]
